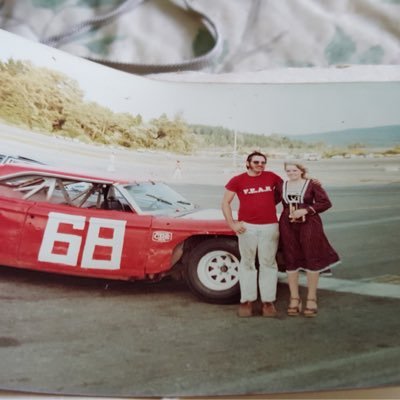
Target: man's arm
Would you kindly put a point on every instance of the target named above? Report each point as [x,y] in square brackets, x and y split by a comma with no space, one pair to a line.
[236,226]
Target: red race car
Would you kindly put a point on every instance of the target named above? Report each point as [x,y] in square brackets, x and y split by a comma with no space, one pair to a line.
[77,224]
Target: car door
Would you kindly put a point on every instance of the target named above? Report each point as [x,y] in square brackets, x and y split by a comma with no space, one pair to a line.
[12,219]
[85,241]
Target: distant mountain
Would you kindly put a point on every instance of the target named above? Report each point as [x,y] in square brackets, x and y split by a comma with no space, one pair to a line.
[379,136]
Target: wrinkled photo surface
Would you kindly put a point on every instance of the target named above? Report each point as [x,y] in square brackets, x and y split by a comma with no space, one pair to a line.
[119,275]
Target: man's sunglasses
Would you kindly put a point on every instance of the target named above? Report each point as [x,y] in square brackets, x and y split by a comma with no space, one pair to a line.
[259,162]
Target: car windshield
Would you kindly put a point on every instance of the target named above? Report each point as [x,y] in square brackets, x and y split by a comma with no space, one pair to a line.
[157,198]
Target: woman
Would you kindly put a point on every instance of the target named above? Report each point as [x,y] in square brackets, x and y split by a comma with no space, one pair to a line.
[304,244]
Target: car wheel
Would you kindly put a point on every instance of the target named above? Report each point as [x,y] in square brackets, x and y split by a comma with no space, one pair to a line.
[212,271]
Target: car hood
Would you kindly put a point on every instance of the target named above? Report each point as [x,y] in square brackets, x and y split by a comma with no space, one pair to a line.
[205,214]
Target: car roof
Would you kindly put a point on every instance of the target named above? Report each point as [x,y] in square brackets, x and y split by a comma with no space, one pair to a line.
[7,170]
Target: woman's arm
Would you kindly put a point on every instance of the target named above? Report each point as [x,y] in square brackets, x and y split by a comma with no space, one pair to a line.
[321,200]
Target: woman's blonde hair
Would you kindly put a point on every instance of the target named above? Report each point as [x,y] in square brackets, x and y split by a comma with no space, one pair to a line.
[301,167]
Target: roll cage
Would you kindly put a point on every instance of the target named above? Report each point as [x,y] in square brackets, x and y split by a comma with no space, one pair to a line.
[66,190]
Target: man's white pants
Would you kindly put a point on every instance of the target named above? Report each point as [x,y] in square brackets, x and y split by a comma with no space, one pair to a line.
[263,238]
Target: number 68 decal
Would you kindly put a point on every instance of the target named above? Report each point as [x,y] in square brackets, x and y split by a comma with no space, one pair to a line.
[74,242]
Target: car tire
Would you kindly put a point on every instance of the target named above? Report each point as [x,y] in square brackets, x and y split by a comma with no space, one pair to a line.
[212,271]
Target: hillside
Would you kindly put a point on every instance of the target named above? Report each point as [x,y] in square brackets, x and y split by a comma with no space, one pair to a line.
[380,136]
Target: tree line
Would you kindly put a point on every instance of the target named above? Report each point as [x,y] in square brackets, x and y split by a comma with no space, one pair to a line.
[223,138]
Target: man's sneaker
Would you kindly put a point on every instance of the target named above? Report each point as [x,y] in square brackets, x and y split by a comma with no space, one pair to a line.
[245,309]
[269,310]
[327,272]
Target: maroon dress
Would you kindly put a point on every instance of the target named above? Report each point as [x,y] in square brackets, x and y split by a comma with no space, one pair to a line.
[304,244]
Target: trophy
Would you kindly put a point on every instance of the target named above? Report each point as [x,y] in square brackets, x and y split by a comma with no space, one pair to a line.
[294,205]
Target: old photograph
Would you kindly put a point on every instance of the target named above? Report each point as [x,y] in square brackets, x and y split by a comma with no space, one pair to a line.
[132,256]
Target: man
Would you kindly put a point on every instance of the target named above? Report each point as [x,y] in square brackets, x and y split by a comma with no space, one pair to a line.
[257,230]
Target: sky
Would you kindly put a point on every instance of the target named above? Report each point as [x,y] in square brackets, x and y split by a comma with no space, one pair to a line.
[269,108]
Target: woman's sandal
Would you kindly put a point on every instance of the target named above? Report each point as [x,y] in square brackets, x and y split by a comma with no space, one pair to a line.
[293,311]
[311,312]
